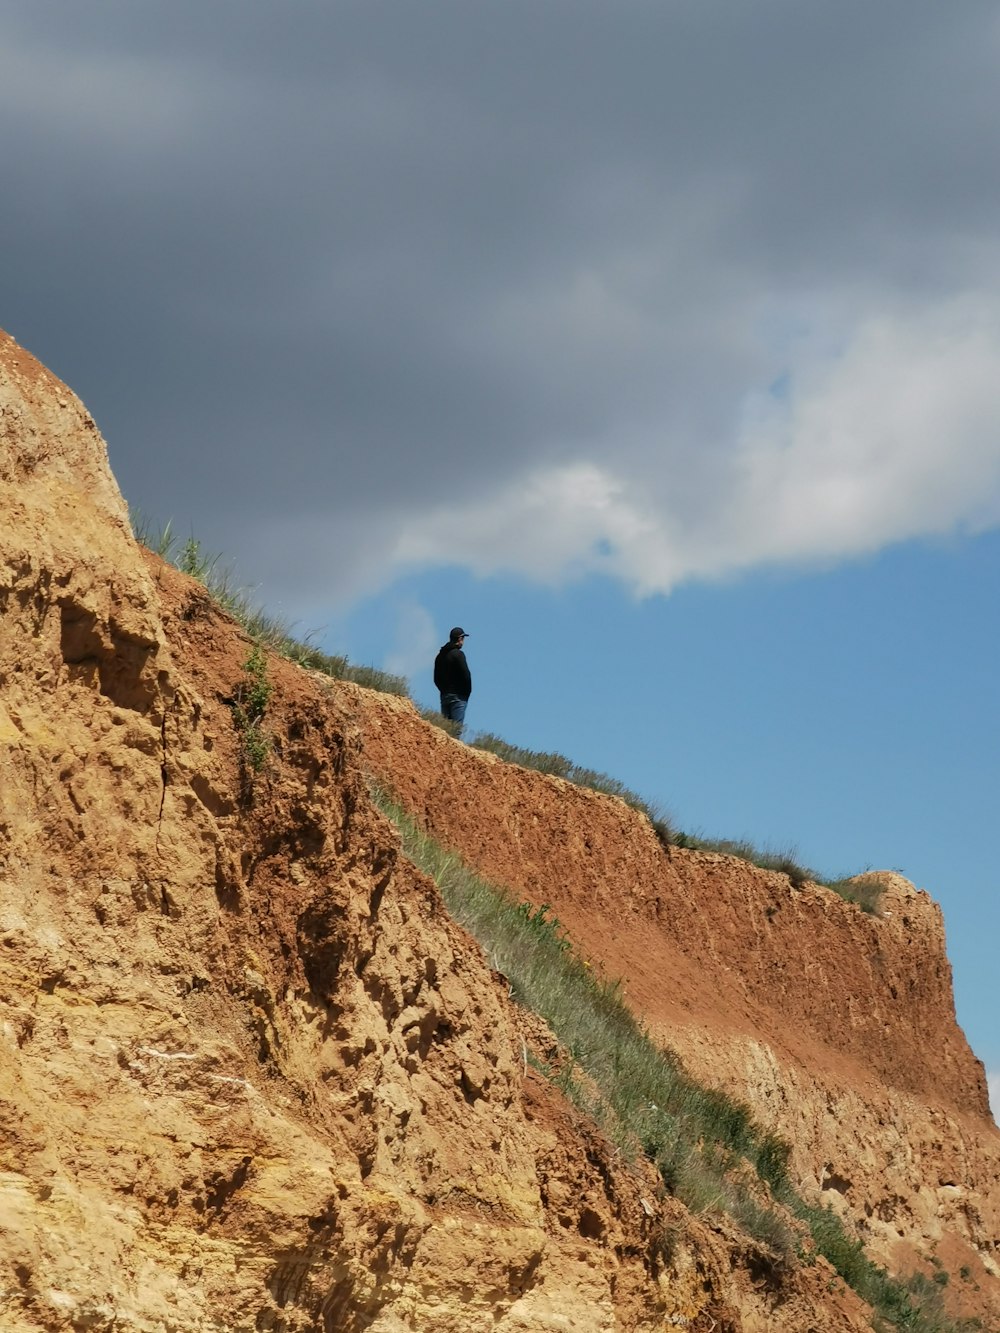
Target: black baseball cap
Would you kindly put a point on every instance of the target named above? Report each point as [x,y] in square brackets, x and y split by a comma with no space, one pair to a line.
[457,633]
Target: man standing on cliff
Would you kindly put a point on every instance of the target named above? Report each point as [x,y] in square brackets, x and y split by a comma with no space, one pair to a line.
[453,678]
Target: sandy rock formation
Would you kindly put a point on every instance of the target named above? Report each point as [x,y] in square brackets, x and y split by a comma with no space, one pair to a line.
[252,1077]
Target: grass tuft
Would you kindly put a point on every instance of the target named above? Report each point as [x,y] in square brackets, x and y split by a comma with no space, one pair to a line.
[250,702]
[439,720]
[783,861]
[865,890]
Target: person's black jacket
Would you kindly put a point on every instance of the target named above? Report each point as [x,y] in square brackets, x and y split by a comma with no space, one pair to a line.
[451,671]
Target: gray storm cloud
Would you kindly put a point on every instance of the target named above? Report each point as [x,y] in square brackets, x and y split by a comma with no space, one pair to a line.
[667,291]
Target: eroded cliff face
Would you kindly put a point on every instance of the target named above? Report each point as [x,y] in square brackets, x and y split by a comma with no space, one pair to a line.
[252,1077]
[837,1027]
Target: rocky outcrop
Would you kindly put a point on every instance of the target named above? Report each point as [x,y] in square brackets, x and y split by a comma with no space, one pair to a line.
[253,1077]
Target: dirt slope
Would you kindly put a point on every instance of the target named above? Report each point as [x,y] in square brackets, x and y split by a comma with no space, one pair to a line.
[252,1076]
[838,1027]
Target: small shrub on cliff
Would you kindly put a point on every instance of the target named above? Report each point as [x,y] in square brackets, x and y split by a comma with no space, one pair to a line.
[546,929]
[195,562]
[250,701]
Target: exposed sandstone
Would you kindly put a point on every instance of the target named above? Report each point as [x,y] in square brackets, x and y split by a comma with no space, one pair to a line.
[252,1075]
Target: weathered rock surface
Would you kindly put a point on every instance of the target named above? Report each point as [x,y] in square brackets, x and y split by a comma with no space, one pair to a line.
[837,1027]
[252,1077]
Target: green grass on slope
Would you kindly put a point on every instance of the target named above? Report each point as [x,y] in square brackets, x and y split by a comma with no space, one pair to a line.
[707,1147]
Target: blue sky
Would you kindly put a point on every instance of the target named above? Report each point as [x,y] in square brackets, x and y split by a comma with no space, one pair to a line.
[664,335]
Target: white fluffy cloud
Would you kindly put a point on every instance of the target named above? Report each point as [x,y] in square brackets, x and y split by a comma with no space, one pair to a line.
[993,1083]
[895,434]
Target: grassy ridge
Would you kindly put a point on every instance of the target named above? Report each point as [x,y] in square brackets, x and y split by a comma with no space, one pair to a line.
[864,891]
[191,559]
[707,1147]
[265,629]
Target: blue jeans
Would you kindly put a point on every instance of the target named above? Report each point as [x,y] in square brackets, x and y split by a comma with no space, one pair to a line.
[453,707]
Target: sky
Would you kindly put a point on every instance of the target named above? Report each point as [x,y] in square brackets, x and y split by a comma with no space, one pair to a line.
[657,344]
